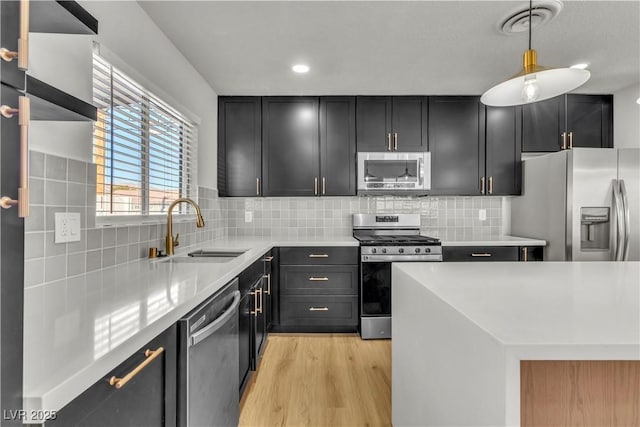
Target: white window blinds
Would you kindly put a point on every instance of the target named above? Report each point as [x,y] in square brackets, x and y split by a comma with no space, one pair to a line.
[145,151]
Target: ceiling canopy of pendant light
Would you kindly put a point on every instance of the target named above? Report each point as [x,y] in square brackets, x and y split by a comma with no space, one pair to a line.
[534,83]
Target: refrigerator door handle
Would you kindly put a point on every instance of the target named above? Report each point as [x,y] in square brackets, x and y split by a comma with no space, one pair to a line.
[627,220]
[617,206]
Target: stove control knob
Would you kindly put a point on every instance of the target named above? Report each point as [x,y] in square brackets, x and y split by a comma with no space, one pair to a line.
[401,251]
[374,250]
[427,250]
[384,251]
[417,250]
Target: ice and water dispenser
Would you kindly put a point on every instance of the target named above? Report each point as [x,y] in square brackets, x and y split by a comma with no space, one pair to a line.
[595,226]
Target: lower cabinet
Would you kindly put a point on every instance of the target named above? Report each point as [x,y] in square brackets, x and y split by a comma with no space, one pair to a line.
[147,399]
[318,289]
[492,253]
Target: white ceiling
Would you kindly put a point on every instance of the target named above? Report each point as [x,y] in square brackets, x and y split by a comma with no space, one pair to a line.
[392,47]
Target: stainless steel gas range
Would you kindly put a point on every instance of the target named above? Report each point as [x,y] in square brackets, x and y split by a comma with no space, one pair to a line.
[385,239]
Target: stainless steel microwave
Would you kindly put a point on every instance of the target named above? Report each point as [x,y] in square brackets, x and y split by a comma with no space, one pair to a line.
[394,173]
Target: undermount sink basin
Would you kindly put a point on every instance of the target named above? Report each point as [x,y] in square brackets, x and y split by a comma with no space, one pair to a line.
[205,253]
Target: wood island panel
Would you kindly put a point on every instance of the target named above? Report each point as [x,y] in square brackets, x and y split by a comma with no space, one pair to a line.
[580,393]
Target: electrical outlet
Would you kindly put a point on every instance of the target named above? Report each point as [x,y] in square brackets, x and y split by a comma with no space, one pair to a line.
[67,227]
[482,214]
[248,216]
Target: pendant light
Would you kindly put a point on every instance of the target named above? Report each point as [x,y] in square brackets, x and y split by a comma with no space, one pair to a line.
[534,82]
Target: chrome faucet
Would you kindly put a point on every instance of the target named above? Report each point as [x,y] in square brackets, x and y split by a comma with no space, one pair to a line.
[170,241]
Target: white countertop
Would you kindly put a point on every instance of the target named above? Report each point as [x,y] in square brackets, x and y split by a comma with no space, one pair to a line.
[503,240]
[77,330]
[461,329]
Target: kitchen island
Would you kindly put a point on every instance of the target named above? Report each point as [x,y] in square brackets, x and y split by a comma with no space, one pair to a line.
[460,332]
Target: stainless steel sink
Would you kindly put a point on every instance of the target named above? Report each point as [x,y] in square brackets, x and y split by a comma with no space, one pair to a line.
[206,253]
[199,260]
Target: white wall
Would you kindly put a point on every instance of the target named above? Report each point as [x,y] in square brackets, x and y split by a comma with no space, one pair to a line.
[131,41]
[626,118]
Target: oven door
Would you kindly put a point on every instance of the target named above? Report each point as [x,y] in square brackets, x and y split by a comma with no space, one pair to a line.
[375,289]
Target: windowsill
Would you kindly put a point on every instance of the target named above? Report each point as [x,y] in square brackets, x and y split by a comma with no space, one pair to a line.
[136,220]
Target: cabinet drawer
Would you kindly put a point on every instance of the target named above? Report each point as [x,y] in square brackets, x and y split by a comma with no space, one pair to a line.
[480,253]
[321,310]
[312,280]
[319,255]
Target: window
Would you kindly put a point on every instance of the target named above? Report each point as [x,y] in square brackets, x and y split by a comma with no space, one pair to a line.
[144,150]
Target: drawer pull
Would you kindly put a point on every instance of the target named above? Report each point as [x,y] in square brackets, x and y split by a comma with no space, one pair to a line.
[268,259]
[318,279]
[150,357]
[485,254]
[318,308]
[318,256]
[268,277]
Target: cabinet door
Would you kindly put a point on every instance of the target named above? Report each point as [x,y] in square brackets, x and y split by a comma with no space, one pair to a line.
[11,262]
[373,121]
[270,292]
[148,399]
[480,253]
[9,33]
[409,123]
[590,120]
[239,146]
[338,146]
[503,141]
[543,125]
[245,328]
[290,160]
[456,143]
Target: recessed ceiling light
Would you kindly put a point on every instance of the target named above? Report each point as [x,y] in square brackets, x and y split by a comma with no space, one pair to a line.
[581,66]
[300,68]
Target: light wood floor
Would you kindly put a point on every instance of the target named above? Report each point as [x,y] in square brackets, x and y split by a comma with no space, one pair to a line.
[320,380]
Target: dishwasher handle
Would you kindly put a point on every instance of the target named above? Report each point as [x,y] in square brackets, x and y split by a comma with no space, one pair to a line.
[212,327]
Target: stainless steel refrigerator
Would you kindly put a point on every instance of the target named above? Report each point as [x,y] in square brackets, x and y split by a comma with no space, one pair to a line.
[584,202]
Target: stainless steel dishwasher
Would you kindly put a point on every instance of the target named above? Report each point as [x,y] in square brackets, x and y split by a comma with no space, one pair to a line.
[209,362]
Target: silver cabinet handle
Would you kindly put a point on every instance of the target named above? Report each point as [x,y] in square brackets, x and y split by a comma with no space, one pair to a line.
[324,185]
[525,253]
[257,186]
[318,256]
[315,186]
[564,140]
[484,254]
[395,141]
[318,308]
[490,185]
[389,142]
[318,279]
[23,40]
[482,185]
[24,118]
[267,259]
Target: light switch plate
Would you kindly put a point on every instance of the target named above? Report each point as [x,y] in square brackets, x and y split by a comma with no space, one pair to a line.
[67,227]
[482,214]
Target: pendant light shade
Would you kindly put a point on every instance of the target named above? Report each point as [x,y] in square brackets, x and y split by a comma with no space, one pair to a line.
[534,83]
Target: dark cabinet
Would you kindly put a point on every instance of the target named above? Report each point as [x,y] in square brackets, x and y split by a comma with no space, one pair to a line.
[456,143]
[148,399]
[239,146]
[318,289]
[392,123]
[568,121]
[290,159]
[503,166]
[270,260]
[338,146]
[492,253]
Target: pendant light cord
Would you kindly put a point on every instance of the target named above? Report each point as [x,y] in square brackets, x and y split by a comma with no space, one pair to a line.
[530,23]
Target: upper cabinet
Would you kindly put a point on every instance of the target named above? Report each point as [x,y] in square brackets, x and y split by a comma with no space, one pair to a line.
[18,19]
[338,146]
[392,123]
[503,167]
[290,160]
[456,143]
[568,121]
[240,146]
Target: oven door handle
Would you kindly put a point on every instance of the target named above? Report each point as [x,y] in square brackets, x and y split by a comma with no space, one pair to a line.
[401,258]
